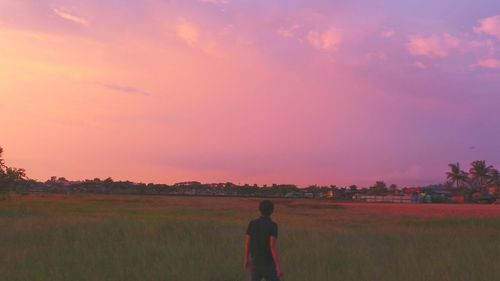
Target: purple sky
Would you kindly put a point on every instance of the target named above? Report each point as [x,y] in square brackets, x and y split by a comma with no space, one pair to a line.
[305,92]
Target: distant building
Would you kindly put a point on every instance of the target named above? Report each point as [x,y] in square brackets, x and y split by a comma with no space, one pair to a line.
[296,194]
[404,199]
[441,192]
[457,199]
[411,190]
[330,194]
[494,191]
[309,195]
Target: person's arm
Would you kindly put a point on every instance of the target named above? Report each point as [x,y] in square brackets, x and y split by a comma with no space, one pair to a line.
[246,260]
[274,252]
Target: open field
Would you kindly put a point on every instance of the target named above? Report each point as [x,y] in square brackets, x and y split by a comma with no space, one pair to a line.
[55,237]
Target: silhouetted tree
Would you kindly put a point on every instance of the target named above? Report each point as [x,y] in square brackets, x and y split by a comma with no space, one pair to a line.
[10,178]
[379,188]
[3,175]
[457,177]
[2,162]
[481,174]
[495,177]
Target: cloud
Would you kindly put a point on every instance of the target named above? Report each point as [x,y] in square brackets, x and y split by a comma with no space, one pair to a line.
[388,33]
[196,39]
[188,33]
[288,32]
[328,40]
[124,89]
[489,63]
[69,17]
[432,46]
[381,56]
[487,47]
[490,26]
[420,65]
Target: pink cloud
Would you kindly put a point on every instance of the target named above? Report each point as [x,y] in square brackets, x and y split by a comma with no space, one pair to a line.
[489,63]
[225,91]
[432,46]
[328,40]
[420,65]
[188,33]
[388,33]
[62,13]
[490,26]
[198,38]
[376,56]
[288,32]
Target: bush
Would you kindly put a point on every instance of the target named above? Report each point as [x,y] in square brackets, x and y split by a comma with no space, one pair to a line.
[438,199]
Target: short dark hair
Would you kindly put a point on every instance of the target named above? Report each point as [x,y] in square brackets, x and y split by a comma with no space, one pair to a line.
[266,208]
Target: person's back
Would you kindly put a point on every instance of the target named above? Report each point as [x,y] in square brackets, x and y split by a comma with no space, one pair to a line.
[261,256]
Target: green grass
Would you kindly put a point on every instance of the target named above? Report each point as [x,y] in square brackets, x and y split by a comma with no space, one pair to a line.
[201,239]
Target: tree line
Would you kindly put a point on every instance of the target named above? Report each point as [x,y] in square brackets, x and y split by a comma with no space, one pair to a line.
[476,180]
[479,177]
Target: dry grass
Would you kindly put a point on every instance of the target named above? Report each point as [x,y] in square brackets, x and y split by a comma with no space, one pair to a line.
[57,237]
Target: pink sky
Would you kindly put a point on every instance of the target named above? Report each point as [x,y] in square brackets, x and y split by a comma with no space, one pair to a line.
[305,92]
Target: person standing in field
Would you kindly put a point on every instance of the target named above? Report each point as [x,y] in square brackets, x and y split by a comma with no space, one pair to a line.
[261,254]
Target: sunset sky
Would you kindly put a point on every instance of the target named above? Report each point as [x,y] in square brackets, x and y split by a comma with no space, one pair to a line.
[257,91]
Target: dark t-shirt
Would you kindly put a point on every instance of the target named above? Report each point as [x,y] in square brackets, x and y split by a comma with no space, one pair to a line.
[260,251]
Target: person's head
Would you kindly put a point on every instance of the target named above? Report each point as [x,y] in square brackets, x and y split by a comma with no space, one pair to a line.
[266,208]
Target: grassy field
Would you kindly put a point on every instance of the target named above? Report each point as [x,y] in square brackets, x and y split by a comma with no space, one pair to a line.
[57,237]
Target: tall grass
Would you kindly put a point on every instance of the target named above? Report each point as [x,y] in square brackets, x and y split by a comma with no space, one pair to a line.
[177,240]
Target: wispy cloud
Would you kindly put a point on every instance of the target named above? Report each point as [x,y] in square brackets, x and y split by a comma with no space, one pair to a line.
[376,56]
[420,65]
[289,32]
[124,89]
[197,38]
[387,33]
[62,13]
[432,46]
[187,32]
[489,63]
[490,26]
[328,40]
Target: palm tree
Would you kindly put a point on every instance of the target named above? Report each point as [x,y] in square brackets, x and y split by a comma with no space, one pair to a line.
[457,177]
[495,177]
[481,174]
